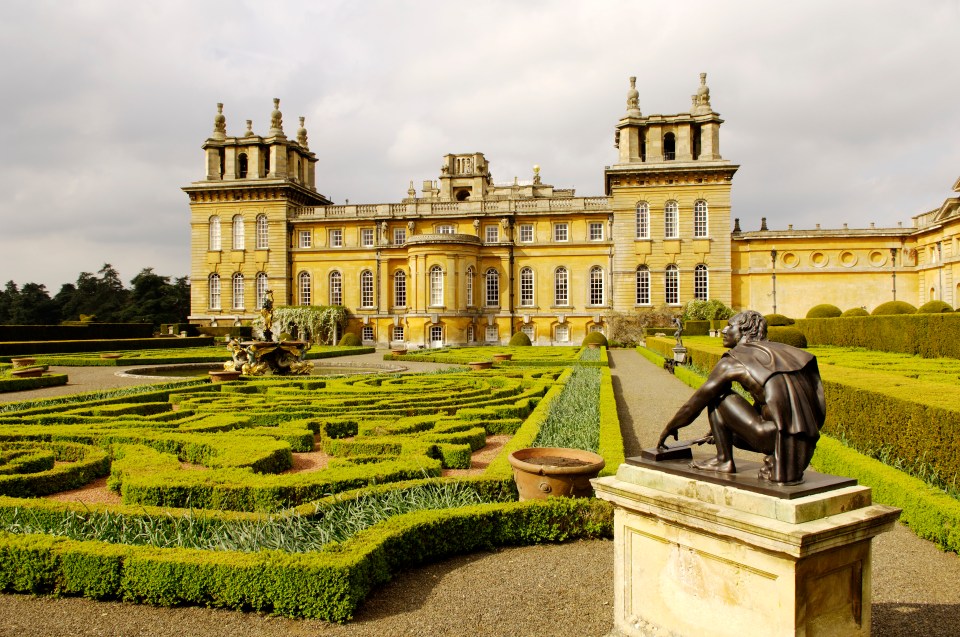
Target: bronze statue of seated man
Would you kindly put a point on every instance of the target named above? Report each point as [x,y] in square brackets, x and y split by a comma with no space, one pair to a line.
[788,411]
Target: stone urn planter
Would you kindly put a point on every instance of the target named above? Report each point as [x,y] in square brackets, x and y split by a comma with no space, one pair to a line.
[23,362]
[544,471]
[478,365]
[110,356]
[398,351]
[28,372]
[499,358]
[223,376]
[593,345]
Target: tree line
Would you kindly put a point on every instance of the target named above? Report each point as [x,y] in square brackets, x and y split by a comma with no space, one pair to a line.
[101,298]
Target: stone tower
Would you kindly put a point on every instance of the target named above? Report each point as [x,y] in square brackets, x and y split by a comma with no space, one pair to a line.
[239,213]
[670,193]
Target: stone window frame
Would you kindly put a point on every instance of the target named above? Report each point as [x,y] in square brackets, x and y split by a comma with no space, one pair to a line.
[400,288]
[591,227]
[213,291]
[643,220]
[262,230]
[671,220]
[561,286]
[701,282]
[561,232]
[671,284]
[526,287]
[491,288]
[643,285]
[335,281]
[596,292]
[237,291]
[304,288]
[701,227]
[525,233]
[436,286]
[305,239]
[238,233]
[366,289]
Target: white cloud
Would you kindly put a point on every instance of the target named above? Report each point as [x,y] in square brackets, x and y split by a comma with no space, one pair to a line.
[835,112]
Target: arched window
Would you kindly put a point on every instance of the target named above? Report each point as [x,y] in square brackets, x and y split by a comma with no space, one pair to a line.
[561,286]
[643,220]
[595,293]
[213,291]
[242,165]
[214,233]
[263,233]
[238,291]
[263,284]
[470,274]
[671,285]
[336,288]
[700,218]
[669,147]
[526,287]
[493,287]
[701,287]
[238,238]
[305,287]
[366,288]
[671,220]
[643,285]
[436,286]
[400,289]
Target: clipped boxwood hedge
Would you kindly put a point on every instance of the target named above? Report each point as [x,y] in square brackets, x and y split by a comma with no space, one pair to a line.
[824,310]
[927,335]
[894,307]
[934,307]
[855,311]
[789,335]
[9,349]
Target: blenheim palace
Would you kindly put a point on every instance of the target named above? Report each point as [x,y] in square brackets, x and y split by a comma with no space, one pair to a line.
[471,261]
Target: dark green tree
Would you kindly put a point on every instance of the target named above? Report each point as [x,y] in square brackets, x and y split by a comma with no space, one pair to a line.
[154,299]
[33,306]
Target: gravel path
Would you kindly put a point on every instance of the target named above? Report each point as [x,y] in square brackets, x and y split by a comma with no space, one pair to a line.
[549,590]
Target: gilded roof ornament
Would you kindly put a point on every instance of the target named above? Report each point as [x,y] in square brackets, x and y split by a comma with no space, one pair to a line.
[276,118]
[633,99]
[702,98]
[219,123]
[302,133]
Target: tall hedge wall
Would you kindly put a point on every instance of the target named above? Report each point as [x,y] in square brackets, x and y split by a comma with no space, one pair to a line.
[85,332]
[927,335]
[70,347]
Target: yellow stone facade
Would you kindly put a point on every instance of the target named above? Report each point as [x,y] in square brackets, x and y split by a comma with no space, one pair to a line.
[470,261]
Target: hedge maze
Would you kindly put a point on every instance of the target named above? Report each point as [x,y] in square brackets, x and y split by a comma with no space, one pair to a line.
[213,460]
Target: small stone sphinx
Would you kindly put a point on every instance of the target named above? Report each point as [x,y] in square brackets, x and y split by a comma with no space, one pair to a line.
[788,411]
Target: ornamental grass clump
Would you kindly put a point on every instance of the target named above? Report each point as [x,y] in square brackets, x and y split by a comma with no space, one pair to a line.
[289,532]
[574,418]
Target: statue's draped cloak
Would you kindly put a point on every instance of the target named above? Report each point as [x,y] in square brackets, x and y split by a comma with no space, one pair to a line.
[791,385]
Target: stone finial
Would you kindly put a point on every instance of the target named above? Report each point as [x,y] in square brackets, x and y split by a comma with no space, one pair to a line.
[633,99]
[702,98]
[302,133]
[736,225]
[536,174]
[411,191]
[763,223]
[249,132]
[276,118]
[219,123]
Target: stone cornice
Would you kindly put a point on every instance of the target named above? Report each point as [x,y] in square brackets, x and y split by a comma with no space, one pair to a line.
[259,190]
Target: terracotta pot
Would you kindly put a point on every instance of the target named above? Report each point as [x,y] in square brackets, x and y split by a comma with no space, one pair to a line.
[223,376]
[502,357]
[398,352]
[23,362]
[28,372]
[544,471]
[111,356]
[477,365]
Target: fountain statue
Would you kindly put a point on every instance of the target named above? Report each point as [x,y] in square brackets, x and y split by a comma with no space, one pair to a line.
[257,358]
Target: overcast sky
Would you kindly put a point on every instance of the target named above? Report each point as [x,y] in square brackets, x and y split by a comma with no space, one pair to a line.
[836,111]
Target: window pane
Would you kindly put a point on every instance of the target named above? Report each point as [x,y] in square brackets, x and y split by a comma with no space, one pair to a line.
[305,239]
[560,232]
[214,291]
[596,231]
[470,274]
[214,233]
[366,289]
[336,238]
[305,288]
[436,286]
[398,333]
[490,334]
[643,286]
[596,286]
[560,291]
[643,220]
[399,236]
[263,233]
[367,333]
[526,287]
[493,287]
[238,291]
[336,288]
[492,234]
[238,234]
[526,233]
[400,288]
[672,285]
[670,220]
[700,218]
[563,334]
[366,237]
[700,282]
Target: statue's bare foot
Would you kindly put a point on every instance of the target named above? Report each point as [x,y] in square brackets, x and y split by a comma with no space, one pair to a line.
[716,465]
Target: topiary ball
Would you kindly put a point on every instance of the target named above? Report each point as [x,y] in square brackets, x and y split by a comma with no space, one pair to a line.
[934,307]
[596,338]
[894,307]
[856,311]
[350,340]
[824,310]
[787,335]
[778,320]
[520,340]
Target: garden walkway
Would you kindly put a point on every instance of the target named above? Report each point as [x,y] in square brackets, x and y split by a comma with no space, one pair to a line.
[550,590]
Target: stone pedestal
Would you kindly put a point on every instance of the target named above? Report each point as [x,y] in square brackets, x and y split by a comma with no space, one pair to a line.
[694,558]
